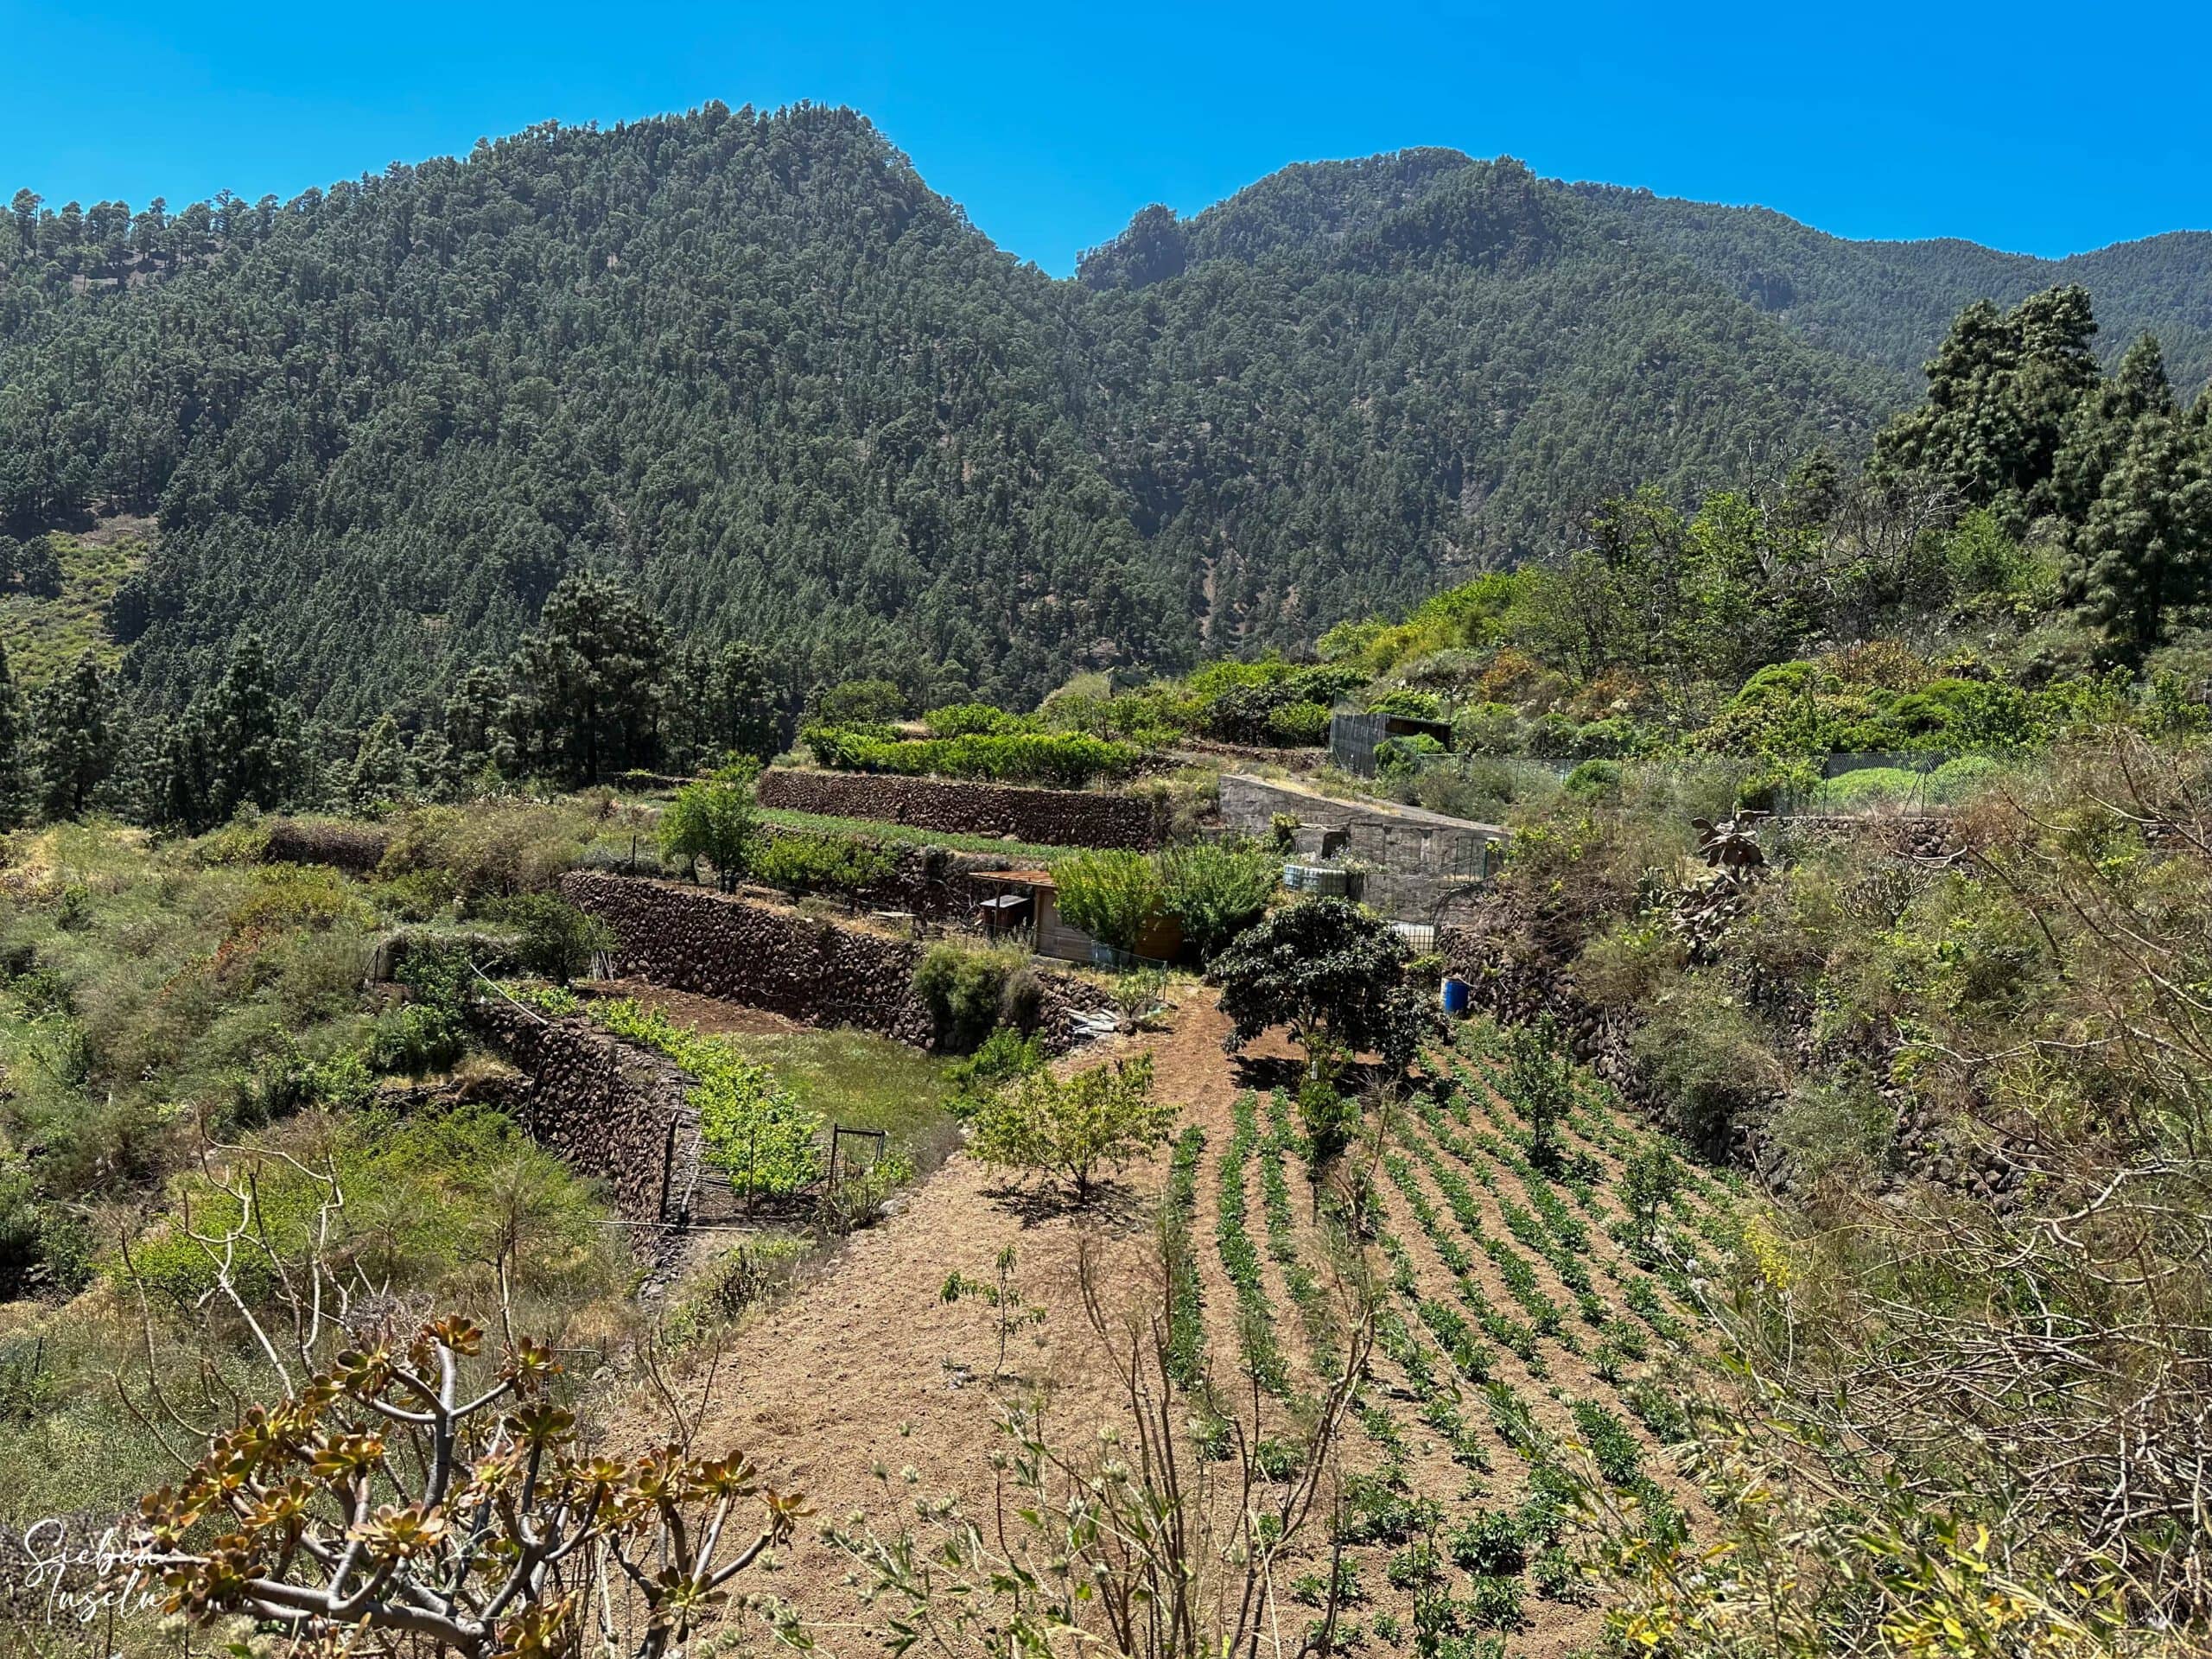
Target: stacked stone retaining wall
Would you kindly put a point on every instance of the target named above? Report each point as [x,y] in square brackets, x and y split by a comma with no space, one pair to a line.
[804,968]
[610,1109]
[1050,818]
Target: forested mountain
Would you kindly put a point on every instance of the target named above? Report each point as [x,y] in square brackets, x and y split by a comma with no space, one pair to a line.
[1353,380]
[1889,302]
[752,365]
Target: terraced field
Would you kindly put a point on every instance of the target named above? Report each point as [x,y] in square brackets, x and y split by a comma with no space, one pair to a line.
[1525,1331]
[1528,1327]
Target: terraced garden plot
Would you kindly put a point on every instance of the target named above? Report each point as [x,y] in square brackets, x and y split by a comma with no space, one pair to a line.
[1521,1329]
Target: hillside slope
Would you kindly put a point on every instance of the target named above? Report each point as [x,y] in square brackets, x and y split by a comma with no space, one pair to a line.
[1889,302]
[754,363]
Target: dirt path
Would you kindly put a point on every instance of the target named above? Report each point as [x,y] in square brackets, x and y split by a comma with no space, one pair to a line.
[869,1367]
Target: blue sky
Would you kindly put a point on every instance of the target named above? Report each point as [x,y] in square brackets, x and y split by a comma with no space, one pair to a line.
[2027,126]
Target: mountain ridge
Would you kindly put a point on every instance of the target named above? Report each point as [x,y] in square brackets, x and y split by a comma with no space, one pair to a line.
[751,362]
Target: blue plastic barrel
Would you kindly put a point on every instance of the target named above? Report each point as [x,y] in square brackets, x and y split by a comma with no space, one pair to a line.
[1455,996]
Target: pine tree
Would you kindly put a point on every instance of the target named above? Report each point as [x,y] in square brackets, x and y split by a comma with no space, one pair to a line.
[585,689]
[2146,548]
[475,719]
[379,766]
[2098,433]
[233,748]
[2002,392]
[73,742]
[747,721]
[15,774]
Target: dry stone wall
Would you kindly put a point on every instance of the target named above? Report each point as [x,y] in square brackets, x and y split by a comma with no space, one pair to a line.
[608,1109]
[804,968]
[1051,818]
[714,944]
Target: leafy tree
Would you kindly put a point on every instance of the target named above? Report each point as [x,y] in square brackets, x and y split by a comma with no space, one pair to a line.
[714,819]
[584,688]
[858,702]
[73,743]
[1332,971]
[1098,1118]
[1217,889]
[1540,1081]
[1108,895]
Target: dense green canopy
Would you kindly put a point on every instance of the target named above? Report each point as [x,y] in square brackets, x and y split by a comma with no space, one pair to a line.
[750,365]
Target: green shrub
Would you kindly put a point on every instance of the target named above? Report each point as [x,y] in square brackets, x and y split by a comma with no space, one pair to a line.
[555,938]
[492,849]
[1005,1055]
[975,720]
[969,992]
[1108,895]
[1489,1542]
[1300,725]
[1708,1060]
[1595,777]
[1328,1118]
[1214,889]
[812,863]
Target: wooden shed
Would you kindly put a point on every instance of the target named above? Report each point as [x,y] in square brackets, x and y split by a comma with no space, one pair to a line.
[1026,902]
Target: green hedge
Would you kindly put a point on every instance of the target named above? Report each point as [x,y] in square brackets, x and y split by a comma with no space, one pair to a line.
[1068,760]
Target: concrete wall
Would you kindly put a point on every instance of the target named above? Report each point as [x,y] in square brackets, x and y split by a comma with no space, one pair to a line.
[1424,866]
[1049,817]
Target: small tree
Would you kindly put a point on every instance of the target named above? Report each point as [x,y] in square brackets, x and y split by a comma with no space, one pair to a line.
[714,820]
[1110,895]
[1217,889]
[557,939]
[1101,1117]
[1540,1081]
[1335,974]
[1649,1180]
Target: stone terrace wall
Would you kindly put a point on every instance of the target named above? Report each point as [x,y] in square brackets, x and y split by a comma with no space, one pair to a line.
[609,1110]
[720,945]
[689,939]
[1051,818]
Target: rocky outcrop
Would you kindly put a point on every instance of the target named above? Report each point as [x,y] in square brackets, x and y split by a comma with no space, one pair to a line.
[1051,818]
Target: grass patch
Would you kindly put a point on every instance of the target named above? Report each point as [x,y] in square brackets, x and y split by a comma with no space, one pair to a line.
[44,636]
[863,1081]
[907,834]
